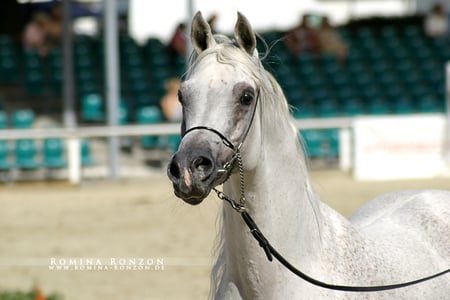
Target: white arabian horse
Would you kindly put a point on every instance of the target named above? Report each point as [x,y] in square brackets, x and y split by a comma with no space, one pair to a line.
[237,130]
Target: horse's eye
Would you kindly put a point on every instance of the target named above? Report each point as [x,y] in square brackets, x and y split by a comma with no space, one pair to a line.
[180,97]
[247,98]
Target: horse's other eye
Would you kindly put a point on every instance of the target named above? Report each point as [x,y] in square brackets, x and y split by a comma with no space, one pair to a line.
[247,98]
[180,97]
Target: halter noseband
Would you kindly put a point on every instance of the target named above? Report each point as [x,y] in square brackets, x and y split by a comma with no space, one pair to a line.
[224,172]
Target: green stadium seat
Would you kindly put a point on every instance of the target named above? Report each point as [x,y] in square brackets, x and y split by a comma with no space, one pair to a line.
[3,120]
[412,30]
[328,109]
[345,93]
[55,58]
[25,153]
[330,65]
[53,154]
[5,151]
[321,143]
[375,54]
[86,155]
[144,99]
[6,41]
[313,142]
[56,82]
[179,65]
[32,60]
[389,33]
[158,76]
[82,47]
[124,112]
[86,75]
[23,118]
[378,106]
[153,47]
[403,105]
[92,108]
[87,87]
[355,56]
[150,115]
[35,83]
[429,104]
[9,70]
[331,142]
[381,68]
[139,86]
[352,107]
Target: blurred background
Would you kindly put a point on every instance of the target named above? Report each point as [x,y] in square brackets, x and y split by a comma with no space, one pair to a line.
[89,115]
[84,66]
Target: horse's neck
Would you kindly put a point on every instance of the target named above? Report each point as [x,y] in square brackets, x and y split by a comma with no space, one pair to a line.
[280,200]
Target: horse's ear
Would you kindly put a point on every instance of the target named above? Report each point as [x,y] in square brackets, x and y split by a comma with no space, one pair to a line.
[244,34]
[201,34]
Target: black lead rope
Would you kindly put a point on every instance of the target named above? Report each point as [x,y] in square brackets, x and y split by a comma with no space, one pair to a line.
[271,252]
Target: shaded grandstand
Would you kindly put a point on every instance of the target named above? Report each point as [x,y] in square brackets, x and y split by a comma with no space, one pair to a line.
[392,68]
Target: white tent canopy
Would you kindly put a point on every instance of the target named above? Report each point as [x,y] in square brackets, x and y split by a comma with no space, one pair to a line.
[147,19]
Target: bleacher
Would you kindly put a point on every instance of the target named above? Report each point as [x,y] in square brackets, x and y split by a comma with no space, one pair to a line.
[29,154]
[391,69]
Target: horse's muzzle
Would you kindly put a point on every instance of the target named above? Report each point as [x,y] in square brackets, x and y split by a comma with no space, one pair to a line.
[192,175]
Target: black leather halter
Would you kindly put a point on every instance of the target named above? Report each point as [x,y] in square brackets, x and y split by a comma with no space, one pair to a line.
[225,171]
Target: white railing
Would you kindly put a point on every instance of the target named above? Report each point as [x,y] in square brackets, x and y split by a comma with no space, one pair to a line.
[73,137]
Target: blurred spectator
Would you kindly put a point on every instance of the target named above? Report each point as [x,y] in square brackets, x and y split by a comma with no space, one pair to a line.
[170,104]
[436,23]
[331,42]
[54,27]
[35,35]
[177,45]
[44,30]
[303,38]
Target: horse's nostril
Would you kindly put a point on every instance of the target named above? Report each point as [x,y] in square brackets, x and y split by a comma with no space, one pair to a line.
[174,170]
[203,165]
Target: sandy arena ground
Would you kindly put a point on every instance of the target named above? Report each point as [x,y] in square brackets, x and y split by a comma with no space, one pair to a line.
[41,223]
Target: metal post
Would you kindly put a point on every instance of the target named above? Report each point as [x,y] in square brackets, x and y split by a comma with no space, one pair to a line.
[345,149]
[447,109]
[73,149]
[112,80]
[190,16]
[68,83]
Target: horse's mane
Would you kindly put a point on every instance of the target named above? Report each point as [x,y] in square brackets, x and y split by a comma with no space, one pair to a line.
[272,99]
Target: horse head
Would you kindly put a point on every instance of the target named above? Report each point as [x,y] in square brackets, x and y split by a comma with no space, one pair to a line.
[219,99]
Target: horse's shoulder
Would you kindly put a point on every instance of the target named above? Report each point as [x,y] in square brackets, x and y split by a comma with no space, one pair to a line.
[397,206]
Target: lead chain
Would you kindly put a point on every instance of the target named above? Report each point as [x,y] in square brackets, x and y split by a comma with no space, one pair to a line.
[241,177]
